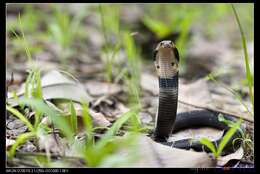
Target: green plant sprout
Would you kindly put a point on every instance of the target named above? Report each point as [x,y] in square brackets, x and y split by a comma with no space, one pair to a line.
[217,151]
[110,25]
[64,31]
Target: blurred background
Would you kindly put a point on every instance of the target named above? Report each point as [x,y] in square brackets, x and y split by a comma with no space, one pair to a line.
[114,43]
[77,35]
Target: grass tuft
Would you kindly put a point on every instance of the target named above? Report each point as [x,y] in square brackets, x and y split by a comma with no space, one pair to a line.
[249,76]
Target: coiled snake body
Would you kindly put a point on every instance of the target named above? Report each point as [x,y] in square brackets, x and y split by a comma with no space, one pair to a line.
[166,60]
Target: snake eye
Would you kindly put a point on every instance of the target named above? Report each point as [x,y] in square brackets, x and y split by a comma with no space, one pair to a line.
[172,64]
[158,66]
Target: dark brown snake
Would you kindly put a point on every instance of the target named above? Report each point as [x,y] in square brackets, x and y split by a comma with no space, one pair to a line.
[166,60]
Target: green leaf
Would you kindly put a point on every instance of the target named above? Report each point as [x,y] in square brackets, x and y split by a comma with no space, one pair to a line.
[248,72]
[157,27]
[227,137]
[87,120]
[38,90]
[229,123]
[58,120]
[27,92]
[114,129]
[210,145]
[19,140]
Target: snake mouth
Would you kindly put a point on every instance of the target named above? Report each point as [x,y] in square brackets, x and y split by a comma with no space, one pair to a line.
[166,46]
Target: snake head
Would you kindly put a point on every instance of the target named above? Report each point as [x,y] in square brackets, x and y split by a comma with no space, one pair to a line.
[166,58]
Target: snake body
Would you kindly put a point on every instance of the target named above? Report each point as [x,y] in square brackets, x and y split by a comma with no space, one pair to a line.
[166,60]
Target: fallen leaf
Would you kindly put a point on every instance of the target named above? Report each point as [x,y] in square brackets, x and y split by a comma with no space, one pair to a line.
[49,144]
[222,160]
[58,86]
[195,93]
[99,120]
[153,154]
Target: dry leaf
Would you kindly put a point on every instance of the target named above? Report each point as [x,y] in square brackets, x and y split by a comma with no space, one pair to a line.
[56,85]
[222,160]
[99,120]
[195,93]
[49,143]
[152,154]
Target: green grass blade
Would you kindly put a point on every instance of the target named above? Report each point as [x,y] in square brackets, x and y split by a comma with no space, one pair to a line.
[25,43]
[210,145]
[27,92]
[21,117]
[227,137]
[158,27]
[248,73]
[114,129]
[54,116]
[106,145]
[87,120]
[38,90]
[19,140]
[229,123]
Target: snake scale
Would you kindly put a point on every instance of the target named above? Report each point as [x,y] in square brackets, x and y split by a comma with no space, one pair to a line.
[166,60]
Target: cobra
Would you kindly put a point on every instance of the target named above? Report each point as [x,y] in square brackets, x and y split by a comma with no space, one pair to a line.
[166,60]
